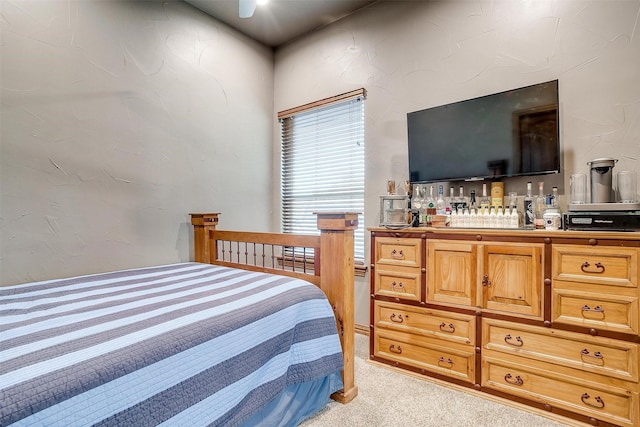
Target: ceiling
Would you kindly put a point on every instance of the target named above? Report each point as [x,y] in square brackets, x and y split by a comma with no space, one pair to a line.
[280,21]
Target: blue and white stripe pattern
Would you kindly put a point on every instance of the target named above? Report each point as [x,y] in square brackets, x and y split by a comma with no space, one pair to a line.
[183,344]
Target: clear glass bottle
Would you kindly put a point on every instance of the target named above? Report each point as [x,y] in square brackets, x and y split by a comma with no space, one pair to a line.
[473,204]
[541,205]
[416,200]
[462,200]
[529,209]
[554,198]
[431,206]
[485,201]
[552,215]
[452,200]
[440,205]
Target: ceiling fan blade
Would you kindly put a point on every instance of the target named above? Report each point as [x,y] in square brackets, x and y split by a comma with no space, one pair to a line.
[246,8]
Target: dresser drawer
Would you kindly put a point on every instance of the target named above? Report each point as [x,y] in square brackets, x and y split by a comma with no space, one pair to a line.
[612,266]
[602,356]
[609,403]
[399,284]
[398,251]
[611,312]
[421,352]
[454,327]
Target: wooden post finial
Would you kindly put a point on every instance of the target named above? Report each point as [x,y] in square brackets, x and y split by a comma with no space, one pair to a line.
[202,223]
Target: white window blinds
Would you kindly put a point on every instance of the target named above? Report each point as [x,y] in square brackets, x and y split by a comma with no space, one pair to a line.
[323,163]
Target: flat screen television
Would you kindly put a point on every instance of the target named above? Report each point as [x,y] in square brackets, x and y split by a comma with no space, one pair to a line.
[505,134]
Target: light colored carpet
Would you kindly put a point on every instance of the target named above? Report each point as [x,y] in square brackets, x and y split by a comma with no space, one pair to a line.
[388,398]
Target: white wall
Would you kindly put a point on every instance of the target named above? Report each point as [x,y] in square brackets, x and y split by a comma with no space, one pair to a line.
[411,55]
[118,119]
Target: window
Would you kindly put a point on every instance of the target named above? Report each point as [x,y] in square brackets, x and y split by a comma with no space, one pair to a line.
[323,163]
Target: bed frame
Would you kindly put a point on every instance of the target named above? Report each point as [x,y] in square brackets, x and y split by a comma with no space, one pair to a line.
[325,260]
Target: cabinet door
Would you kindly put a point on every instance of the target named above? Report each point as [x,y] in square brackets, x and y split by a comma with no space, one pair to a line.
[451,272]
[511,278]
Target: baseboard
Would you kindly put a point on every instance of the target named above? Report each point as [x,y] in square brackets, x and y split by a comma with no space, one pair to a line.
[361,329]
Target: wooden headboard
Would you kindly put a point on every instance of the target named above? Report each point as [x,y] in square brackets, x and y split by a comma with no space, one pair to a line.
[325,260]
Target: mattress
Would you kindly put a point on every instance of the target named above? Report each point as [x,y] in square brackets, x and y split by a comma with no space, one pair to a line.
[183,344]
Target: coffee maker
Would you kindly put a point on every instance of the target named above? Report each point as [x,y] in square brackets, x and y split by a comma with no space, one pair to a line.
[602,211]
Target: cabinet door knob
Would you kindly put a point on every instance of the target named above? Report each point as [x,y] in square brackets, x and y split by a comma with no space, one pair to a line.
[485,280]
[599,268]
[596,402]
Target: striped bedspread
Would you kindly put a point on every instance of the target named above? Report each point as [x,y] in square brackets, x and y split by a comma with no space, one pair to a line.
[185,344]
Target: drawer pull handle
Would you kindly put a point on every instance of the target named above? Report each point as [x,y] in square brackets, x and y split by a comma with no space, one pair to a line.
[397,319]
[596,309]
[398,287]
[441,359]
[515,381]
[485,280]
[447,328]
[397,254]
[393,349]
[599,403]
[518,343]
[599,267]
[596,355]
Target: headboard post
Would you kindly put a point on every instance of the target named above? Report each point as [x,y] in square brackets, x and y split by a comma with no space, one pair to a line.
[337,282]
[202,223]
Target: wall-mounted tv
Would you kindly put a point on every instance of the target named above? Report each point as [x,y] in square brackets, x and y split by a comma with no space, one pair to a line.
[505,134]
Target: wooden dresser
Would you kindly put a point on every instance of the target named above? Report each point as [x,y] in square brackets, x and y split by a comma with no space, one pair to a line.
[549,319]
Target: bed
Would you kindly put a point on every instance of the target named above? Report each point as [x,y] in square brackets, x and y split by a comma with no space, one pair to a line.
[258,330]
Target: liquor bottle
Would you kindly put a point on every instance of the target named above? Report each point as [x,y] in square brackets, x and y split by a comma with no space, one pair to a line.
[485,202]
[541,205]
[416,198]
[529,214]
[462,200]
[554,198]
[552,215]
[431,206]
[452,201]
[440,205]
[472,209]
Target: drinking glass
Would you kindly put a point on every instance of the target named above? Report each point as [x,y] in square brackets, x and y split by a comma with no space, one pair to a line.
[627,186]
[578,185]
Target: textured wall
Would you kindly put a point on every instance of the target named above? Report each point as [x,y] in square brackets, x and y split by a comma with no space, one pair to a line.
[118,119]
[412,55]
